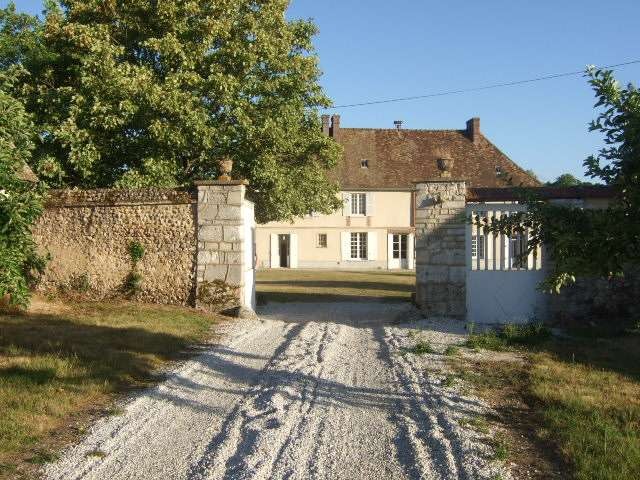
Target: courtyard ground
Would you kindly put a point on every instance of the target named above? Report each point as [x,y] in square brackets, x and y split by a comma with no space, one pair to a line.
[332,381]
[339,378]
[325,390]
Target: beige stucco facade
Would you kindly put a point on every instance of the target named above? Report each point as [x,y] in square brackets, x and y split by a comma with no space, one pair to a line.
[388,212]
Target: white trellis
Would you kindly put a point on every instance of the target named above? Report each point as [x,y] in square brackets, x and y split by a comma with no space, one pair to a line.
[497,251]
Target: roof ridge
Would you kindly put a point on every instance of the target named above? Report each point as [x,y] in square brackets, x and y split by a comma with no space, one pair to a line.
[405,129]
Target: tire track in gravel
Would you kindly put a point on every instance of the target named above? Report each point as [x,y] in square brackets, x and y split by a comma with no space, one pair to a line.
[269,418]
[432,422]
[418,431]
[178,410]
[312,391]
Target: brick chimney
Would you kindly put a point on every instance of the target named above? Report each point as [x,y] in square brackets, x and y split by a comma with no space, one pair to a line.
[473,129]
[326,126]
[335,125]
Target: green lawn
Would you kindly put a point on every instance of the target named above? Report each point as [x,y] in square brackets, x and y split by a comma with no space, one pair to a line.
[584,393]
[61,364]
[332,285]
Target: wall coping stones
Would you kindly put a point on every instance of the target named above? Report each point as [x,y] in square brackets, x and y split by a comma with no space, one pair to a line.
[208,183]
[111,197]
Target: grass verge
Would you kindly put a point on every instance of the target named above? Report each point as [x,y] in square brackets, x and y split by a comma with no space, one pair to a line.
[61,365]
[285,285]
[508,337]
[580,395]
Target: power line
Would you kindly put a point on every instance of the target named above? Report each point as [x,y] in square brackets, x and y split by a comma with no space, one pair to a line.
[477,89]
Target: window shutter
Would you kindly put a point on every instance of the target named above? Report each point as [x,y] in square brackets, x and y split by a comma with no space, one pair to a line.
[345,242]
[275,252]
[369,196]
[389,250]
[372,245]
[411,250]
[346,208]
[293,250]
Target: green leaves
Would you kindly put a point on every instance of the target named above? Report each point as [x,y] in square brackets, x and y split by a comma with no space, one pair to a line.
[602,242]
[145,93]
[20,203]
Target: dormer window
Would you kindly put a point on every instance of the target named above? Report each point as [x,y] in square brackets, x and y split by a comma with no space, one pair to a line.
[364,163]
[498,170]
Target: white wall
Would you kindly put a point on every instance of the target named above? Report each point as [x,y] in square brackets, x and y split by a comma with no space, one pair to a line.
[390,211]
[249,279]
[505,296]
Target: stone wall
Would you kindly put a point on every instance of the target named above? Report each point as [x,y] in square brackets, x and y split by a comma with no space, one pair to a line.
[188,238]
[88,233]
[440,248]
[598,301]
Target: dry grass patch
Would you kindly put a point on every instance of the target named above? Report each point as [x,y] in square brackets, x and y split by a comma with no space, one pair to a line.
[573,402]
[590,396]
[61,365]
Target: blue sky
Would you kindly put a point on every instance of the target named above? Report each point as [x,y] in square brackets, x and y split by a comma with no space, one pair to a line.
[378,49]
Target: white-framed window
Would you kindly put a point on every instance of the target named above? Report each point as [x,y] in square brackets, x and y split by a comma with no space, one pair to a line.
[359,204]
[359,246]
[477,246]
[399,246]
[322,240]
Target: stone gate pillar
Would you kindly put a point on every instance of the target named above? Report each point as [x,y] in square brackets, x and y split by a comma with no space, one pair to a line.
[225,243]
[440,221]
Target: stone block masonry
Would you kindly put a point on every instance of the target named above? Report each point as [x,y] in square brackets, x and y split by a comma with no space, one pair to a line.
[189,237]
[222,242]
[440,222]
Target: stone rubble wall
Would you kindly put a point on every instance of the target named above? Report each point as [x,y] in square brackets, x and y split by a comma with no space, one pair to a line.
[189,237]
[440,248]
[87,234]
[598,301]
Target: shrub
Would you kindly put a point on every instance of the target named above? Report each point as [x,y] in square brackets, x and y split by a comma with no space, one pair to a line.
[218,294]
[20,203]
[133,283]
[510,335]
[80,283]
[136,251]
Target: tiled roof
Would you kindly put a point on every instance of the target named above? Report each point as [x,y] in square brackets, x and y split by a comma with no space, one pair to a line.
[397,158]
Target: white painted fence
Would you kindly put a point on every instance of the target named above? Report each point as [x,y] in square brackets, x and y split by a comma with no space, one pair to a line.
[249,252]
[502,278]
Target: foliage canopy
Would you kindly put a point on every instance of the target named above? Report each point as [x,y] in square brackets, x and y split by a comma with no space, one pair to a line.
[153,93]
[586,242]
[20,202]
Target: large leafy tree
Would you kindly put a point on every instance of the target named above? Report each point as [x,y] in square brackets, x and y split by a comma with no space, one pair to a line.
[138,93]
[567,180]
[20,200]
[586,242]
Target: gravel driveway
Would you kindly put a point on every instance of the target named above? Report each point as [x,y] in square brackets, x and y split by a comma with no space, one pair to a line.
[309,391]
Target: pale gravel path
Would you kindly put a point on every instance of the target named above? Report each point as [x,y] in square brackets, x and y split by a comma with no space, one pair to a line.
[309,391]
